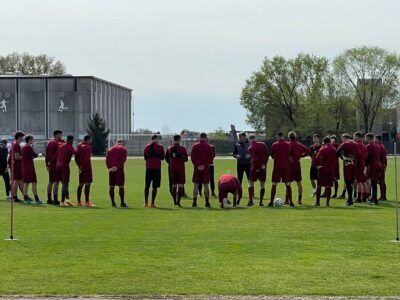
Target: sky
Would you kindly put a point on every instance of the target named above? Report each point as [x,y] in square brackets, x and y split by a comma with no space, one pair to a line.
[187,60]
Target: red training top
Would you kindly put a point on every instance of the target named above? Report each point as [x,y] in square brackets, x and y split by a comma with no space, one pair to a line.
[153,155]
[116,157]
[280,152]
[259,154]
[83,156]
[64,154]
[176,156]
[202,154]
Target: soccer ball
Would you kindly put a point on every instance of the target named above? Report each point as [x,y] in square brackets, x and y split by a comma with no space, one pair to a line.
[225,203]
[278,202]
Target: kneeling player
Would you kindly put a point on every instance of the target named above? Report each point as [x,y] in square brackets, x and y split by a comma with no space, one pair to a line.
[325,160]
[28,154]
[258,153]
[115,161]
[176,156]
[229,184]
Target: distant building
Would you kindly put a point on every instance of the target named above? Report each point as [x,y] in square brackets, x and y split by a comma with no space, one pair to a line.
[40,104]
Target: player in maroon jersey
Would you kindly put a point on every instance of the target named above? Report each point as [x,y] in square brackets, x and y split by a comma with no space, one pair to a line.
[363,189]
[83,155]
[280,152]
[297,151]
[381,179]
[336,173]
[373,165]
[16,164]
[176,156]
[228,183]
[51,162]
[28,154]
[325,161]
[314,148]
[115,162]
[64,155]
[259,154]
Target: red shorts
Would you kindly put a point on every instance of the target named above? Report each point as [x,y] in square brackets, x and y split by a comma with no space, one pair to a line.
[279,175]
[325,177]
[225,188]
[177,176]
[201,176]
[349,172]
[17,172]
[29,177]
[374,171]
[53,175]
[360,176]
[258,174]
[295,172]
[63,173]
[116,178]
[86,176]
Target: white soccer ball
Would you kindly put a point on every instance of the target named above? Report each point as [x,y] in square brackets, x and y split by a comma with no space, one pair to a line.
[278,202]
[225,203]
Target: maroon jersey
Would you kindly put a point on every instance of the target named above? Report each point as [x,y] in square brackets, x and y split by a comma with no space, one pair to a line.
[116,157]
[373,154]
[176,156]
[297,151]
[259,154]
[326,157]
[362,151]
[383,154]
[350,152]
[153,155]
[202,154]
[313,153]
[16,164]
[280,152]
[64,154]
[28,166]
[83,156]
[228,183]
[51,153]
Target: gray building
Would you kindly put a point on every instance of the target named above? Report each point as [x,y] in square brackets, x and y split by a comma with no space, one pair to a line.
[40,104]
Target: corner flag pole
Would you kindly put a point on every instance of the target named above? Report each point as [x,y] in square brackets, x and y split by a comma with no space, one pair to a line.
[395,184]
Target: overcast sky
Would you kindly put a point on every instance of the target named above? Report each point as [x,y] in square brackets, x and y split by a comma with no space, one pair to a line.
[187,60]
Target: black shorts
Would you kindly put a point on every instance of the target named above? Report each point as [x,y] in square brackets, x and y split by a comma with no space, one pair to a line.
[313,173]
[153,176]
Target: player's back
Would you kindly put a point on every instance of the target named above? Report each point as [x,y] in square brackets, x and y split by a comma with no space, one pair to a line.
[373,154]
[202,153]
[297,151]
[64,154]
[326,156]
[116,156]
[177,156]
[280,152]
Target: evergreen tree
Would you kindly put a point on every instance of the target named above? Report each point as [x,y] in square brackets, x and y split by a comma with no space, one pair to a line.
[97,130]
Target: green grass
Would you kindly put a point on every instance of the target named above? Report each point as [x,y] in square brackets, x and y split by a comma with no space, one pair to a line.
[249,251]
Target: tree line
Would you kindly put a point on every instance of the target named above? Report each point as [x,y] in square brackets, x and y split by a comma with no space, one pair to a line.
[313,94]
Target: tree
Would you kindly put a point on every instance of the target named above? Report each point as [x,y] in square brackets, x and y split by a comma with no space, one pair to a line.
[219,135]
[97,130]
[372,73]
[275,85]
[29,64]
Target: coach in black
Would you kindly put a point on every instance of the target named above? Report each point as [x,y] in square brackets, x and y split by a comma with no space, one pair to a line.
[3,166]
[242,158]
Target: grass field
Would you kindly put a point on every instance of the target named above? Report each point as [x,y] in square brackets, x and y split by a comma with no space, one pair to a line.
[247,251]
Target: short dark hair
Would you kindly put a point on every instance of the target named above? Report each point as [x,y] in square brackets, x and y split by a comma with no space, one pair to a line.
[87,137]
[316,135]
[70,138]
[4,141]
[120,141]
[177,137]
[358,135]
[28,137]
[379,138]
[203,135]
[154,136]
[334,137]
[346,136]
[19,134]
[279,134]
[57,131]
[369,136]
[252,137]
[326,140]
[242,134]
[292,135]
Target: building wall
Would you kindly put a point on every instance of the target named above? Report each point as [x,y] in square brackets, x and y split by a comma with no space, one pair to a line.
[40,105]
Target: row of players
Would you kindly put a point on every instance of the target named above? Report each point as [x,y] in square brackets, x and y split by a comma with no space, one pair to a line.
[364,167]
